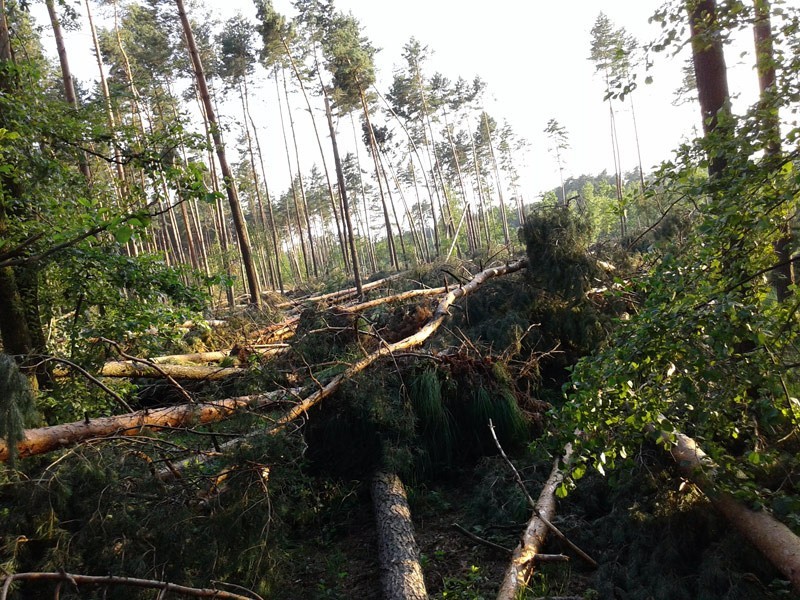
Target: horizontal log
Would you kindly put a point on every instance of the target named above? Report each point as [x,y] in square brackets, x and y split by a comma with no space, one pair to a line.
[55,437]
[124,368]
[216,356]
[341,294]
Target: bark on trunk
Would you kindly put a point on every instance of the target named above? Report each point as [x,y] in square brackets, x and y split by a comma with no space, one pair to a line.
[351,242]
[401,573]
[523,559]
[131,369]
[771,537]
[710,71]
[55,437]
[227,174]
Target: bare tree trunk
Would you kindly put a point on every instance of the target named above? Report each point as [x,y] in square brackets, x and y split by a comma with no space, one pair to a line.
[303,197]
[319,145]
[227,174]
[368,236]
[771,137]
[710,71]
[107,97]
[374,151]
[401,573]
[498,182]
[291,176]
[66,75]
[345,204]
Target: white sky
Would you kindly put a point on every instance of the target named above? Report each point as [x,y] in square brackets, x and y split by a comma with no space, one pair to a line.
[533,56]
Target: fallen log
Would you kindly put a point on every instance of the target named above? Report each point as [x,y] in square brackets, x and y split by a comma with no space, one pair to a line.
[216,356]
[47,439]
[398,555]
[523,559]
[341,294]
[394,298]
[124,368]
[427,330]
[772,538]
[109,580]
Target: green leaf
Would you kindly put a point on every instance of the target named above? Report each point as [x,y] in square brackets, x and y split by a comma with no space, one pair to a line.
[123,234]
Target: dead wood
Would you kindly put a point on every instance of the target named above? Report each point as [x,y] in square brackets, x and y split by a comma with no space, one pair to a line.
[523,558]
[302,407]
[401,573]
[771,537]
[124,368]
[341,294]
[47,439]
[276,332]
[262,350]
[109,580]
[394,298]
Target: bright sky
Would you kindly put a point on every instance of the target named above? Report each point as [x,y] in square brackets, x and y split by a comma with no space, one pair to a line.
[533,56]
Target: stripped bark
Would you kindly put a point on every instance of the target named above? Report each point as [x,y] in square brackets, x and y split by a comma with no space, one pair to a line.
[109,580]
[47,439]
[401,573]
[773,539]
[121,368]
[523,559]
[427,330]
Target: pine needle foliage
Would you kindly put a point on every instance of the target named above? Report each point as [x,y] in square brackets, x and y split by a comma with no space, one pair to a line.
[557,243]
[17,405]
[435,423]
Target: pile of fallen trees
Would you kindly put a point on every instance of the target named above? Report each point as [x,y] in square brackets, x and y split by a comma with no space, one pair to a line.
[401,573]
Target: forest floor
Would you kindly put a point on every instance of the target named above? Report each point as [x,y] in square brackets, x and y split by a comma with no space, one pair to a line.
[649,545]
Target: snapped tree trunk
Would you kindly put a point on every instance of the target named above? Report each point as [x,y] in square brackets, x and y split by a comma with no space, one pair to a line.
[523,560]
[772,538]
[401,573]
[47,439]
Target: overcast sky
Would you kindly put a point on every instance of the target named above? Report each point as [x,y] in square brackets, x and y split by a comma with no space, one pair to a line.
[533,56]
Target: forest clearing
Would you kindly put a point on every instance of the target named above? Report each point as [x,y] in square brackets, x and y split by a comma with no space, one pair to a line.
[403,375]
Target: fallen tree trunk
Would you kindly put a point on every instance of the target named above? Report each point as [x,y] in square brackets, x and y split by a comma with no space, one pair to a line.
[47,439]
[277,332]
[110,580]
[341,294]
[771,537]
[401,573]
[124,368]
[302,407]
[217,356]
[523,559]
[394,298]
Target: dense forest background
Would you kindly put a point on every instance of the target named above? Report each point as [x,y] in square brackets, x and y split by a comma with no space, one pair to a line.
[214,387]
